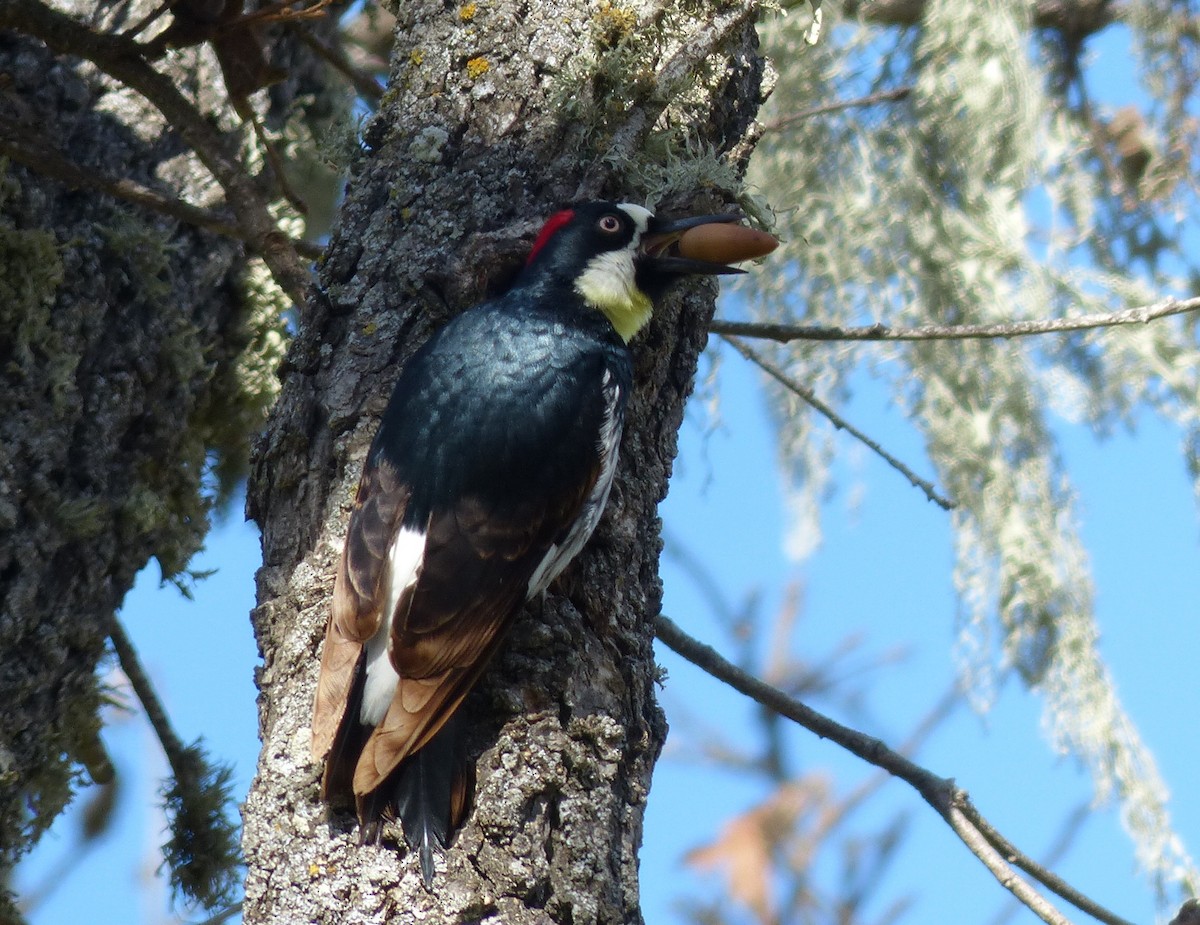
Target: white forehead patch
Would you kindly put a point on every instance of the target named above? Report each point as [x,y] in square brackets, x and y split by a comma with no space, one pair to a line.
[641,217]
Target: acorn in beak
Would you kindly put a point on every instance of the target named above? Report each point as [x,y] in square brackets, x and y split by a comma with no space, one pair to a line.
[703,244]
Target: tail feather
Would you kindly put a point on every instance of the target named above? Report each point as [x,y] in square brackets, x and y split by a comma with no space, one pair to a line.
[426,792]
[429,794]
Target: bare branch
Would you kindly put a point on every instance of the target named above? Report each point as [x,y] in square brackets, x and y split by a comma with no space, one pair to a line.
[201,851]
[1077,18]
[996,865]
[156,713]
[1062,844]
[42,158]
[941,710]
[873,99]
[839,422]
[951,803]
[784,333]
[364,84]
[1016,857]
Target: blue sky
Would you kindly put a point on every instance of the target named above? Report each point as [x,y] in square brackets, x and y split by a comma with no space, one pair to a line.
[884,571]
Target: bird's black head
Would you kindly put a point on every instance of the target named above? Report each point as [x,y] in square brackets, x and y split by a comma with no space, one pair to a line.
[616,256]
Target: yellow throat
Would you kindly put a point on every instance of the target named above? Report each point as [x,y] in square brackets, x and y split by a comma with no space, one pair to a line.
[608,286]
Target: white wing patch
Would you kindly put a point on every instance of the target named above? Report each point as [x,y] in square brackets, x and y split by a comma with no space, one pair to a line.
[559,555]
[404,567]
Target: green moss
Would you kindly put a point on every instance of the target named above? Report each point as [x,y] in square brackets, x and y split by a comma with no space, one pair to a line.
[31,270]
[340,142]
[167,507]
[615,74]
[666,173]
[144,249]
[242,390]
[229,380]
[76,736]
[82,518]
[202,852]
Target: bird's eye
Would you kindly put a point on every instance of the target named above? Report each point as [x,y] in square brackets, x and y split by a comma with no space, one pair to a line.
[609,224]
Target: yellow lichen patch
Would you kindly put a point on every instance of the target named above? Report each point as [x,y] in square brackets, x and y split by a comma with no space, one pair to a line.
[415,57]
[477,67]
[467,12]
[612,24]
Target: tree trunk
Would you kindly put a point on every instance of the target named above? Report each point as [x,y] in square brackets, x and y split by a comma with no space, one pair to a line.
[119,334]
[496,115]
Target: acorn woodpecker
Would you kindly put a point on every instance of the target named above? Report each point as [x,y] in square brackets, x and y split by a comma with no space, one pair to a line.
[490,470]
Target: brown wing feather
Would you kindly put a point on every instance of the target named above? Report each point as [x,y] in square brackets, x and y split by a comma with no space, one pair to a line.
[418,711]
[355,614]
[378,507]
[338,661]
[475,576]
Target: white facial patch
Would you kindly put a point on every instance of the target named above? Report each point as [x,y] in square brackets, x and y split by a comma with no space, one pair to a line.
[608,282]
[608,279]
[404,567]
[641,218]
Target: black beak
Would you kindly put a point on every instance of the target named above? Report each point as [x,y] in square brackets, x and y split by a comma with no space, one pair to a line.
[659,247]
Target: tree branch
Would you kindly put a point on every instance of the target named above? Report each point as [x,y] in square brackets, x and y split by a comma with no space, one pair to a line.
[950,802]
[1062,844]
[996,865]
[131,665]
[202,850]
[1019,859]
[121,59]
[43,159]
[785,333]
[1078,18]
[839,422]
[224,915]
[873,99]
[364,84]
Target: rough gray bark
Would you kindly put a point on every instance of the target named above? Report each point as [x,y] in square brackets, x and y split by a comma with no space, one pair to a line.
[472,146]
[119,331]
